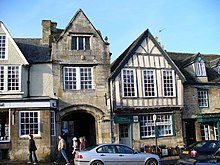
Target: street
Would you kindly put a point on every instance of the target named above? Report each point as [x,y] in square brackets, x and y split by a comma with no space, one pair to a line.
[164,161]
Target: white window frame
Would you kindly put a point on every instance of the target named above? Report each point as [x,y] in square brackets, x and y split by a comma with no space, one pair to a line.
[164,122]
[173,83]
[53,123]
[6,47]
[78,78]
[154,82]
[216,132]
[134,86]
[84,42]
[200,68]
[204,100]
[147,124]
[38,124]
[6,78]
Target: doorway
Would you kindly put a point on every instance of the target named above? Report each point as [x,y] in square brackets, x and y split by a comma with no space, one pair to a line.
[190,132]
[79,124]
[125,134]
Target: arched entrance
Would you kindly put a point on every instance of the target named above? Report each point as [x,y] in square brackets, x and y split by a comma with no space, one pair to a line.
[79,124]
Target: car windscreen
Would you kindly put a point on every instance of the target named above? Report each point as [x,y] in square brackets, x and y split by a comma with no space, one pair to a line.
[197,144]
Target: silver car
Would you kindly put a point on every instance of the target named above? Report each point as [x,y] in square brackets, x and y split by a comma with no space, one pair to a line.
[114,154]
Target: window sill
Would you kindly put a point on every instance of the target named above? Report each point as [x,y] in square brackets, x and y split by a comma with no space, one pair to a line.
[11,93]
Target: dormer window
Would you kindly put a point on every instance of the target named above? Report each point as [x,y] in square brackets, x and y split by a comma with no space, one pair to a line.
[218,69]
[2,46]
[80,43]
[200,69]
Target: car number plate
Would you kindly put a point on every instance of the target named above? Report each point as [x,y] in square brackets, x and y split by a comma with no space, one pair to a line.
[185,152]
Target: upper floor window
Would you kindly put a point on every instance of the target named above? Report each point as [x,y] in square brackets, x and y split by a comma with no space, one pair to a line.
[168,83]
[129,83]
[80,43]
[9,78]
[149,82]
[29,123]
[203,98]
[200,69]
[77,78]
[2,46]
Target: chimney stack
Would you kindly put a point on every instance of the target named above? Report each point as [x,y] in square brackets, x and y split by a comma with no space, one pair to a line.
[47,28]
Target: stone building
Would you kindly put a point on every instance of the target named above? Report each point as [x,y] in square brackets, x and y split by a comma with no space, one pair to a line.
[201,95]
[57,84]
[81,67]
[26,97]
[147,95]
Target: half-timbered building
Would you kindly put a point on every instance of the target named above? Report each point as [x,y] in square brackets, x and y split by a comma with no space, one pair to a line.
[146,95]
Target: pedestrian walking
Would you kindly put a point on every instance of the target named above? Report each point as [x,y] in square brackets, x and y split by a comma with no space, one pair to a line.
[75,146]
[62,151]
[32,150]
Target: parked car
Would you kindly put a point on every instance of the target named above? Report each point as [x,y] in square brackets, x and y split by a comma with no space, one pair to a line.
[200,148]
[114,154]
[202,158]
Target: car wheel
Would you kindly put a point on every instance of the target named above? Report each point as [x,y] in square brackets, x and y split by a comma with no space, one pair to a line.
[96,162]
[151,162]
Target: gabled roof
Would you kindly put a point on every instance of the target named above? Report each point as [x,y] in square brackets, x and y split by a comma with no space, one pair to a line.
[192,59]
[184,59]
[33,50]
[80,11]
[13,42]
[121,61]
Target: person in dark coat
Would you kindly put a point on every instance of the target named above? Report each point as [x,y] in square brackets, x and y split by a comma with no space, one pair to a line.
[32,150]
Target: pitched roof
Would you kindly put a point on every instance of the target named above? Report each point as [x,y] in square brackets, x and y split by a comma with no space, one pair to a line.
[184,59]
[120,62]
[33,50]
[73,19]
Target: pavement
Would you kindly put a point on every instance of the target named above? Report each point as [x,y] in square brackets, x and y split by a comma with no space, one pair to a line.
[164,161]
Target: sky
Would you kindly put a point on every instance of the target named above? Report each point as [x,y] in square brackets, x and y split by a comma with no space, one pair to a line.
[187,26]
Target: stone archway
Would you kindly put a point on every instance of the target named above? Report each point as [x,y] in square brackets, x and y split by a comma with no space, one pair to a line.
[78,121]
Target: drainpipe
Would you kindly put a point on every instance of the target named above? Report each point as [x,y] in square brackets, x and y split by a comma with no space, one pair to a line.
[28,81]
[111,113]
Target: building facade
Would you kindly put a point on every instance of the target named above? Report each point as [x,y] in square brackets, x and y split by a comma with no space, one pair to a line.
[26,97]
[81,67]
[201,95]
[147,95]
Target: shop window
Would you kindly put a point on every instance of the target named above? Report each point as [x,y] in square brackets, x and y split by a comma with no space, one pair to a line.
[216,132]
[164,126]
[29,123]
[4,126]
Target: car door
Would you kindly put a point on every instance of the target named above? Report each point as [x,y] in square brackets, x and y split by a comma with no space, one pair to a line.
[127,156]
[107,154]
